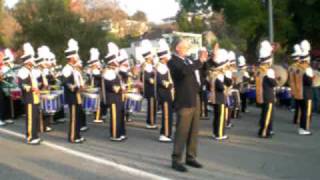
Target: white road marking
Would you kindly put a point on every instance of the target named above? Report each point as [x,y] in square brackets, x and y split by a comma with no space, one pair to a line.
[124,168]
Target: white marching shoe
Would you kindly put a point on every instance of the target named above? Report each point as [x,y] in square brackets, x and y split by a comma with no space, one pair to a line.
[62,120]
[116,139]
[35,141]
[123,137]
[220,138]
[151,126]
[303,132]
[98,121]
[84,128]
[48,129]
[164,138]
[2,123]
[9,121]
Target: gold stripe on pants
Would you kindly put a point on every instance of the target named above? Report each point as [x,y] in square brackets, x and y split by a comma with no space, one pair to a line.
[29,122]
[73,121]
[98,113]
[226,114]
[151,111]
[309,104]
[114,120]
[166,119]
[222,117]
[267,122]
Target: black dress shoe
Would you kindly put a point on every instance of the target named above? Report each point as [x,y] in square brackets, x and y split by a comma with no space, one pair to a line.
[193,163]
[179,167]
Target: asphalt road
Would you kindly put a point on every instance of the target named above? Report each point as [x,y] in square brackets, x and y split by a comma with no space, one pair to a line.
[244,156]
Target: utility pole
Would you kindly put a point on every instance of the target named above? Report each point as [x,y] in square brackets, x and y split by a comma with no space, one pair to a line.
[271,30]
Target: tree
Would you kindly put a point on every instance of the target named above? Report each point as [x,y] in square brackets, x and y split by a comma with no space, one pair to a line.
[9,28]
[247,20]
[139,16]
[50,22]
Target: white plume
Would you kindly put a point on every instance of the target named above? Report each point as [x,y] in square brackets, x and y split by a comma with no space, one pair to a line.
[241,61]
[146,44]
[28,49]
[231,55]
[297,50]
[73,45]
[94,54]
[8,53]
[163,45]
[113,49]
[305,47]
[123,55]
[221,56]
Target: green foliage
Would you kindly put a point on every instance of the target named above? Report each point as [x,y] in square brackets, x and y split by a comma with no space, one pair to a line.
[50,22]
[182,21]
[139,16]
[248,20]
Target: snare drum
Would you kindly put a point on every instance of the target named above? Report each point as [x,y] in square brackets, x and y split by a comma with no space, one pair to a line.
[50,103]
[60,94]
[133,102]
[251,93]
[284,93]
[91,102]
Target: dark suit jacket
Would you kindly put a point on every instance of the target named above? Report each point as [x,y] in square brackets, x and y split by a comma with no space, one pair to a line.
[185,82]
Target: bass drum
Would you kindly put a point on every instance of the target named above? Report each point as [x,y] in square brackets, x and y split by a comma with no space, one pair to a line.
[316,80]
[281,74]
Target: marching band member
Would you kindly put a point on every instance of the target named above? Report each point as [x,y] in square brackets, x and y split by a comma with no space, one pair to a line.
[42,76]
[8,76]
[95,81]
[31,94]
[265,84]
[228,82]
[217,94]
[295,56]
[126,78]
[113,94]
[149,80]
[72,87]
[2,95]
[203,54]
[234,93]
[304,82]
[165,91]
[54,79]
[244,82]
[78,67]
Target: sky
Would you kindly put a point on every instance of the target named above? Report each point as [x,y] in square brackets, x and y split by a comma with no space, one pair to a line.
[156,10]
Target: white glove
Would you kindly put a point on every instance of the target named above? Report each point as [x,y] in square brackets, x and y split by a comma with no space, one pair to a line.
[246,74]
[271,74]
[221,77]
[228,74]
[309,72]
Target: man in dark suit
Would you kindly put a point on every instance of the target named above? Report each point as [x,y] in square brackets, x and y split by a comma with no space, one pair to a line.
[186,80]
